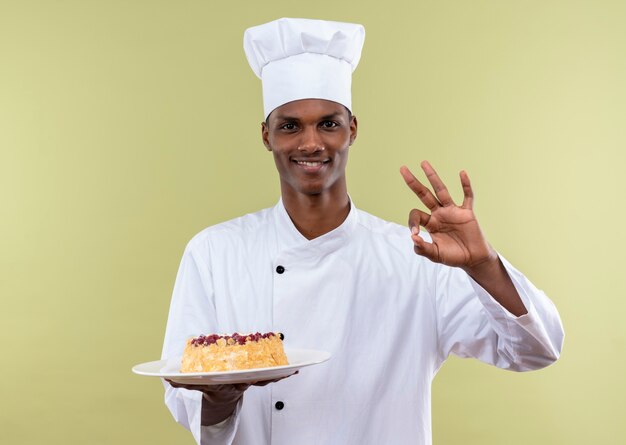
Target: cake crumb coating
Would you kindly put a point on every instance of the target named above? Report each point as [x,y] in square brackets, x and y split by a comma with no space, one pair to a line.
[229,353]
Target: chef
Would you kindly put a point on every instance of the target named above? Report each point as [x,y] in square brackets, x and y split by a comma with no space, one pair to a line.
[389,303]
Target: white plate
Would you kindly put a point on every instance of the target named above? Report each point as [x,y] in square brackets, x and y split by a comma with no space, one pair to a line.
[170,369]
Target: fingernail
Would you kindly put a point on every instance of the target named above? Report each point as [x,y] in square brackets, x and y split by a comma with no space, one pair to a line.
[414,230]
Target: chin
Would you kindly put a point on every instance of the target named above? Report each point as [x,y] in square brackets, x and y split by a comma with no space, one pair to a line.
[312,191]
[313,188]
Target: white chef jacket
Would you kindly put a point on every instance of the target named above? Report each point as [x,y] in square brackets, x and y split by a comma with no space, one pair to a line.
[388,317]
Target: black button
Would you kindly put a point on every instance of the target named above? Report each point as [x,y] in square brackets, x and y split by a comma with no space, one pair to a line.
[280,269]
[280,334]
[279,405]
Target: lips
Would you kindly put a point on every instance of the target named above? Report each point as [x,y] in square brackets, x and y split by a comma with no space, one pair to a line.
[310,165]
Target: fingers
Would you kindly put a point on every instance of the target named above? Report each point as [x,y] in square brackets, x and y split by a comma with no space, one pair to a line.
[417,218]
[442,197]
[419,189]
[226,388]
[235,388]
[438,186]
[428,250]
[468,193]
[266,382]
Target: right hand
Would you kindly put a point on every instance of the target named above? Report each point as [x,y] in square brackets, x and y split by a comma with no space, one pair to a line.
[226,391]
[221,399]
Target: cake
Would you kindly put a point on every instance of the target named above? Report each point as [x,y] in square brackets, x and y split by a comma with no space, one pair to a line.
[209,353]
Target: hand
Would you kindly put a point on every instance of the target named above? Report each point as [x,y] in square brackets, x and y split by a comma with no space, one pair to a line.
[220,394]
[221,399]
[456,236]
[226,392]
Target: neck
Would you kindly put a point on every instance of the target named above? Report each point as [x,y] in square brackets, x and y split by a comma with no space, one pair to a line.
[316,215]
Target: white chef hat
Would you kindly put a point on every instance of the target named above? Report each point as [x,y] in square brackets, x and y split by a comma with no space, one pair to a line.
[304,59]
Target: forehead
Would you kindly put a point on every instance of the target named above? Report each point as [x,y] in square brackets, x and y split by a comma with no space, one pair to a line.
[308,108]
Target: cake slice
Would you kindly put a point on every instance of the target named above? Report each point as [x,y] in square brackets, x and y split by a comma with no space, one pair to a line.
[230,352]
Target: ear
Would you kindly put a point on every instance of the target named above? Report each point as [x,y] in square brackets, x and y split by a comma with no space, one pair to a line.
[265,135]
[353,129]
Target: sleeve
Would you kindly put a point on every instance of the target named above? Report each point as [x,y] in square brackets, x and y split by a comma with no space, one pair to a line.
[192,311]
[471,323]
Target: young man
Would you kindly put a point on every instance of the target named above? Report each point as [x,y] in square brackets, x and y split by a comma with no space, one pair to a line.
[389,304]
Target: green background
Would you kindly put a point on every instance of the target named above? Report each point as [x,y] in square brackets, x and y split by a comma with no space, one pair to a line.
[128,126]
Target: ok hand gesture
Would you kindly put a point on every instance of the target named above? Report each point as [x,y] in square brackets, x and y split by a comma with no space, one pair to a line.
[456,236]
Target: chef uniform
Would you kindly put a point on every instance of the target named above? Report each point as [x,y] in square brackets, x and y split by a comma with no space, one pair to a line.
[389,317]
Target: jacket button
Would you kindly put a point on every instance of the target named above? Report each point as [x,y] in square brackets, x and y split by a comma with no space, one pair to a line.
[279,405]
[280,269]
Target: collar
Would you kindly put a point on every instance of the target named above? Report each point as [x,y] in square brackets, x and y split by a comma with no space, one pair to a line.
[289,237]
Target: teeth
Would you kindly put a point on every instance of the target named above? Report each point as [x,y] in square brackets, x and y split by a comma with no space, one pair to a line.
[309,164]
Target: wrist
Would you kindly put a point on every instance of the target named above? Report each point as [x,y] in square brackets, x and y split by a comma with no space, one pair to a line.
[215,411]
[487,267]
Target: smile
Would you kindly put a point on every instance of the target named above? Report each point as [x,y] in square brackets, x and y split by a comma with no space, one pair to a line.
[311,163]
[311,167]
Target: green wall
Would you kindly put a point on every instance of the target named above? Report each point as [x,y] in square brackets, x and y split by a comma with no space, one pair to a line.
[128,126]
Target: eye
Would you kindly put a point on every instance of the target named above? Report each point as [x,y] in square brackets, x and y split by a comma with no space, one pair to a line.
[329,124]
[289,126]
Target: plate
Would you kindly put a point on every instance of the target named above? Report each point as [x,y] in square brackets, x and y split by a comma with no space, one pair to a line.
[169,369]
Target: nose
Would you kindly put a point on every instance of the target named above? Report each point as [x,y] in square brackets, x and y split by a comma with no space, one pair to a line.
[311,141]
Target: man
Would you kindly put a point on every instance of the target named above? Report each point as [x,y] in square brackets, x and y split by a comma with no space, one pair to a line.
[389,304]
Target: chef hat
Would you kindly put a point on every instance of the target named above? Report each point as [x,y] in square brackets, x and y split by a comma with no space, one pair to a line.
[304,59]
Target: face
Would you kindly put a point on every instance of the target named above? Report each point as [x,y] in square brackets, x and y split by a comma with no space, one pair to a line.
[310,139]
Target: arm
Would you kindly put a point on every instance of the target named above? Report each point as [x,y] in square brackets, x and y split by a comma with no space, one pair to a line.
[212,419]
[472,323]
[508,306]
[457,239]
[210,412]
[494,278]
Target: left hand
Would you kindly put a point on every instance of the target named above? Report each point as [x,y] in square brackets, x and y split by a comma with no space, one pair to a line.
[457,239]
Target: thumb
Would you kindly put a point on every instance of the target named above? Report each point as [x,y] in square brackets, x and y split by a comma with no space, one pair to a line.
[425,249]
